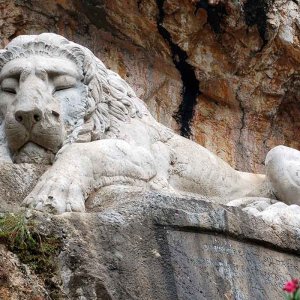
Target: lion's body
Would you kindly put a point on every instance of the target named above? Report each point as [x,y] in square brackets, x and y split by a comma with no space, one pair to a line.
[61,105]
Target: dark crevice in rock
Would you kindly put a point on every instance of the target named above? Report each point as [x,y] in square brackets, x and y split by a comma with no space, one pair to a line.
[190,90]
[243,125]
[215,14]
[240,144]
[256,14]
[139,3]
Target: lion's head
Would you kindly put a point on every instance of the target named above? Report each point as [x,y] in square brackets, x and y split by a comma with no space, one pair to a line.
[54,92]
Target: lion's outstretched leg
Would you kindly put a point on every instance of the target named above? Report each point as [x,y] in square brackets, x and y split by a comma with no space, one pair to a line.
[195,169]
[81,168]
[283,171]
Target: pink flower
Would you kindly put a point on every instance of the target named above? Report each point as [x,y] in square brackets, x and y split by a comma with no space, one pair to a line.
[291,286]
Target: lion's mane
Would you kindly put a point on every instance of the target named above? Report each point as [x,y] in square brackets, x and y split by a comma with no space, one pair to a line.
[110,99]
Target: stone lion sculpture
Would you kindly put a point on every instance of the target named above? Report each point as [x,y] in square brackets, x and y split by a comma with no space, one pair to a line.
[61,106]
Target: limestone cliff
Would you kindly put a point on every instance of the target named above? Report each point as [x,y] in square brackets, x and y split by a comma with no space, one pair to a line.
[223,73]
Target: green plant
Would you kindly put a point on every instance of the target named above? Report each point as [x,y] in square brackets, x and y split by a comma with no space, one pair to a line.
[16,231]
[38,250]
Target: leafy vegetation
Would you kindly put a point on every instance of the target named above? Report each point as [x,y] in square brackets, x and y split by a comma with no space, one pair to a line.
[22,237]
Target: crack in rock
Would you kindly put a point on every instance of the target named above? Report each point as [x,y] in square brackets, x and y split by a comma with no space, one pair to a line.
[190,89]
[215,14]
[256,14]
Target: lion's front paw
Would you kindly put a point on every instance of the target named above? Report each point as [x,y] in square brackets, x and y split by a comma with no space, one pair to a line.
[56,194]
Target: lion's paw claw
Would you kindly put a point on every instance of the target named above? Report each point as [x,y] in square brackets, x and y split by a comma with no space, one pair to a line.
[56,196]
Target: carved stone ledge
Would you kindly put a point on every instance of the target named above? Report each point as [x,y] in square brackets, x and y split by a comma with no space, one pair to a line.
[157,246]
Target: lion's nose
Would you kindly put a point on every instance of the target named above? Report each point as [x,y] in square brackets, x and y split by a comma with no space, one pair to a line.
[29,117]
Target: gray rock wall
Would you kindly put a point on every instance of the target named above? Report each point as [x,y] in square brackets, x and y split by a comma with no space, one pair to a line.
[155,246]
[136,244]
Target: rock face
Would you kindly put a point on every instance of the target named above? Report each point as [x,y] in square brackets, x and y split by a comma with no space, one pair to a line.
[227,70]
[154,246]
[16,279]
[224,73]
[136,244]
[17,181]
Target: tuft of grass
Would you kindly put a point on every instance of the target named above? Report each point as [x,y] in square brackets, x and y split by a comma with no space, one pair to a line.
[16,231]
[39,251]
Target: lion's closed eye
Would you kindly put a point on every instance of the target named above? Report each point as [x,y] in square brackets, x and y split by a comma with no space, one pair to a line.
[63,82]
[9,85]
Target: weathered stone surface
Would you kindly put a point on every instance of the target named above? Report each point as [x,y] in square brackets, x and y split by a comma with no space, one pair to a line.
[156,246]
[136,244]
[140,244]
[17,281]
[16,182]
[237,270]
[246,61]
